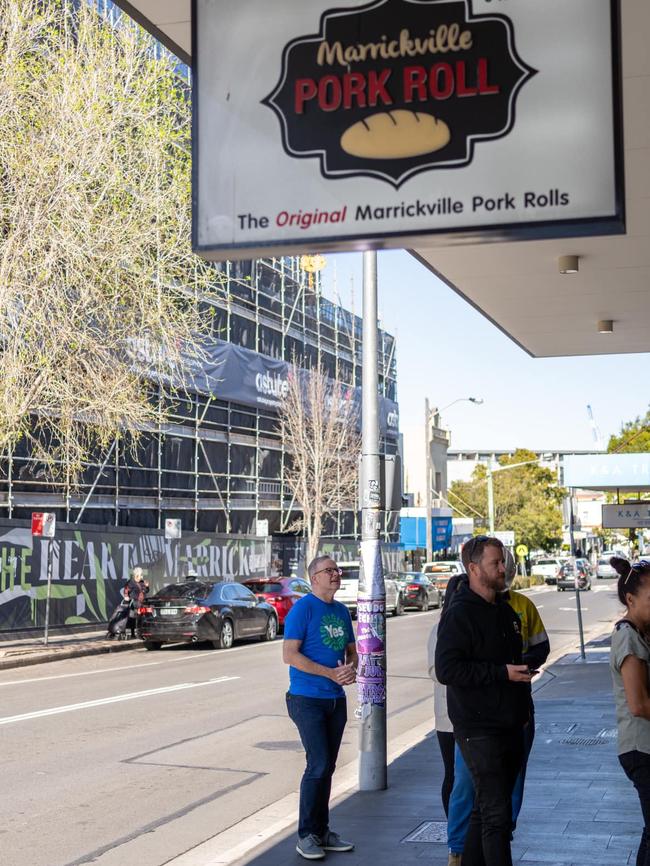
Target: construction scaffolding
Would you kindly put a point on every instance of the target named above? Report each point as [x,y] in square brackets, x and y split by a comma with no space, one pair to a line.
[215,464]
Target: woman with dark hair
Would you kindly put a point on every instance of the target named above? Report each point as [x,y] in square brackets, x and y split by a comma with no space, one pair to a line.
[629,663]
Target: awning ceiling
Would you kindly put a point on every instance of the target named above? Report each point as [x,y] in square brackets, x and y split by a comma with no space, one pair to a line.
[517,285]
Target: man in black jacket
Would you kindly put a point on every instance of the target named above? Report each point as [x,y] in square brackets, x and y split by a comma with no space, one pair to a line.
[479,658]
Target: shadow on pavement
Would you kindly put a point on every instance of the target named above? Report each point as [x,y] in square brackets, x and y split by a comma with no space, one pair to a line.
[579,808]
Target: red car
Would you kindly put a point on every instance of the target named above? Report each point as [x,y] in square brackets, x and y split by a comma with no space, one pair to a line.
[280,592]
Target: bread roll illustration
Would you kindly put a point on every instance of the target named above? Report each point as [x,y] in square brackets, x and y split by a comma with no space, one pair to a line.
[395,135]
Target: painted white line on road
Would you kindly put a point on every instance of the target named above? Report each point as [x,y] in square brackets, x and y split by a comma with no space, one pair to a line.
[78,674]
[573,609]
[116,699]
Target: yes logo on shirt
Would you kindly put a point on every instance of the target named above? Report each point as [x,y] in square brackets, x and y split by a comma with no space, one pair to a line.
[333,632]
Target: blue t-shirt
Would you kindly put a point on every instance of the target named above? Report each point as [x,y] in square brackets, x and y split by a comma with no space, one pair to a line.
[325,630]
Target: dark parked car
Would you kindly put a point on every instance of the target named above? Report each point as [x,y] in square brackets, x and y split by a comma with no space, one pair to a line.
[567,576]
[419,591]
[199,610]
[280,592]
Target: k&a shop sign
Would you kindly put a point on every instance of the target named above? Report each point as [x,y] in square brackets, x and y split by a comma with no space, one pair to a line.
[349,125]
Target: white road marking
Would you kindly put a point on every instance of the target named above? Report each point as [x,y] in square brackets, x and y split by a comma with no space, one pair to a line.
[78,674]
[116,699]
[574,609]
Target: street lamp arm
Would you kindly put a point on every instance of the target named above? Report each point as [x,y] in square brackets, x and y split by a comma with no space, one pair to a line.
[515,465]
[476,400]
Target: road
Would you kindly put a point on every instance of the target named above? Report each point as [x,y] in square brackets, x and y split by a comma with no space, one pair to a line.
[138,758]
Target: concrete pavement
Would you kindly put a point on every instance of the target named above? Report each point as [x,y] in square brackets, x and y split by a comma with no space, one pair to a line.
[19,652]
[579,808]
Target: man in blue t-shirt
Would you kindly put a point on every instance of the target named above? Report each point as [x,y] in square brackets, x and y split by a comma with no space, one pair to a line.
[319,647]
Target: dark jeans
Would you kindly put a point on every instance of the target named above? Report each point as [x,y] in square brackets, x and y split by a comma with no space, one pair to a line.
[447,748]
[518,790]
[494,762]
[320,723]
[637,769]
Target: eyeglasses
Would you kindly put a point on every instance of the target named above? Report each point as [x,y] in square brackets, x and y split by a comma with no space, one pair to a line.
[330,570]
[474,546]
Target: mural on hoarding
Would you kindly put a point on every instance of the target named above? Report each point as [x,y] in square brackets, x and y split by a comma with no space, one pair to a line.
[90,565]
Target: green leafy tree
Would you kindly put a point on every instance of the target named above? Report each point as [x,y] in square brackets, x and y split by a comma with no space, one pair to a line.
[98,281]
[527,500]
[634,436]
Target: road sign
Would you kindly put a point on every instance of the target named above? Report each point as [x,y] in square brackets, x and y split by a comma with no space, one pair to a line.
[521,551]
[507,538]
[360,93]
[629,515]
[172,529]
[43,524]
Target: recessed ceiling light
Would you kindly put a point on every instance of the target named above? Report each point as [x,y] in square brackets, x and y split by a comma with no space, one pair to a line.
[568,264]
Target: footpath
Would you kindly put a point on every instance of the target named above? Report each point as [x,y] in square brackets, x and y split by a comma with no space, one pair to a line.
[579,808]
[30,650]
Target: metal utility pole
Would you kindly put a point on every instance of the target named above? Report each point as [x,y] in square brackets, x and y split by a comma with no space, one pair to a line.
[371,603]
[50,551]
[578,607]
[490,494]
[427,480]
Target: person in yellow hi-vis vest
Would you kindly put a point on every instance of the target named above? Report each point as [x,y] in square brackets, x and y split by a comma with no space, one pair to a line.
[536,648]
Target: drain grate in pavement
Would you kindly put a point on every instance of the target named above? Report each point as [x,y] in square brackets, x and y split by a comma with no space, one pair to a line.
[602,738]
[280,746]
[428,831]
[584,741]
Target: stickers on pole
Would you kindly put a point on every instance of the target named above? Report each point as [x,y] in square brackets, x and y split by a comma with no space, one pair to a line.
[371,628]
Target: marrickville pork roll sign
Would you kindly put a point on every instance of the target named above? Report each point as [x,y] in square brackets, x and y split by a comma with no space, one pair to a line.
[398,88]
[376,124]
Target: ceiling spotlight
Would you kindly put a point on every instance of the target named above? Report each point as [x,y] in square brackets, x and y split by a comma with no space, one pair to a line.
[606,326]
[568,264]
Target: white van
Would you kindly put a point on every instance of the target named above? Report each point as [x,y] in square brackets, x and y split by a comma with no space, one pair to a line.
[549,569]
[349,590]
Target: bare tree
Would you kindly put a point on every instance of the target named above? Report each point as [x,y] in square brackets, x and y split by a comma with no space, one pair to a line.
[319,427]
[98,282]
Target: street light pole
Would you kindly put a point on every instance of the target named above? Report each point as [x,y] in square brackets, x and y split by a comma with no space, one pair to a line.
[371,601]
[490,495]
[428,470]
[578,604]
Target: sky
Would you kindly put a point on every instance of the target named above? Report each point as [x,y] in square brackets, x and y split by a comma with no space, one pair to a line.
[446,350]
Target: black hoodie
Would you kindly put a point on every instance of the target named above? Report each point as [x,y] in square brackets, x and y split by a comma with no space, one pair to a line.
[476,640]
